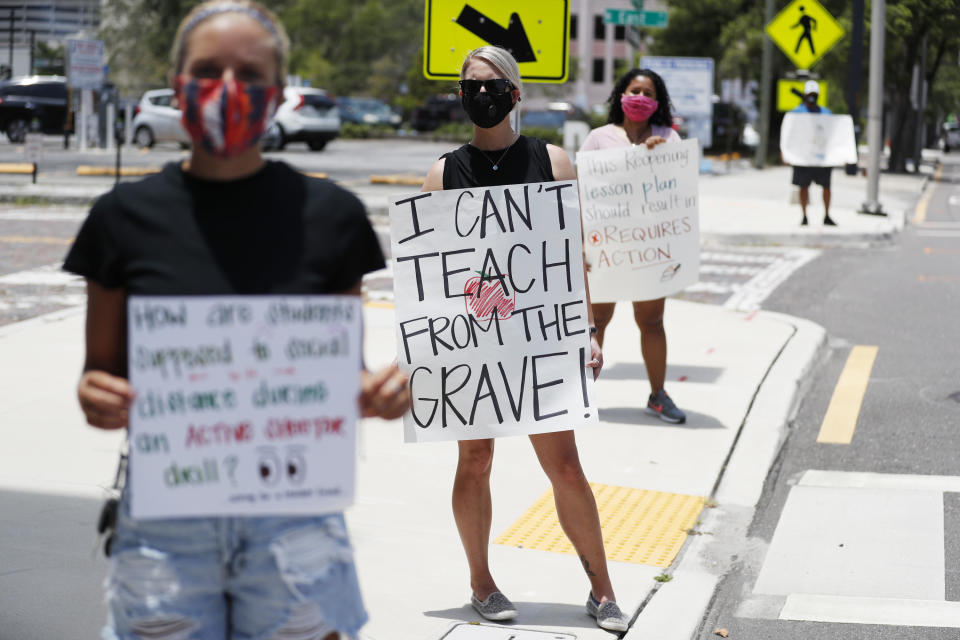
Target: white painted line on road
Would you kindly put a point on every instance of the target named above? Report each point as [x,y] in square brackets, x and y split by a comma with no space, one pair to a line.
[729,270]
[749,295]
[857,610]
[886,481]
[737,258]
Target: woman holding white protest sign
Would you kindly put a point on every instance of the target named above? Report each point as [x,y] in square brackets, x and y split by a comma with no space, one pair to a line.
[224,222]
[640,114]
[490,88]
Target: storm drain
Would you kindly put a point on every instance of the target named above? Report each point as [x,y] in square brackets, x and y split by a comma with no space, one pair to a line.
[639,526]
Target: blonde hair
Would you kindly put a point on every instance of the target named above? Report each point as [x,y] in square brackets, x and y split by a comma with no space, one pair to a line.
[502,61]
[254,10]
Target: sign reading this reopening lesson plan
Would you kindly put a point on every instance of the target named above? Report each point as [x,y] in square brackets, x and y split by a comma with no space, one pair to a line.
[491,311]
[641,220]
[244,405]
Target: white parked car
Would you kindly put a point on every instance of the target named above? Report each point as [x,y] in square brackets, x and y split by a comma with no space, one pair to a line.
[305,115]
[156,120]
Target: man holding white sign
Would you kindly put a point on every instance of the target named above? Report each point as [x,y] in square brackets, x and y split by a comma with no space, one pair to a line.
[638,190]
[814,141]
[494,324]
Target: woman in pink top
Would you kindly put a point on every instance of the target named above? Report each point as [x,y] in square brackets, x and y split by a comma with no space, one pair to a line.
[640,114]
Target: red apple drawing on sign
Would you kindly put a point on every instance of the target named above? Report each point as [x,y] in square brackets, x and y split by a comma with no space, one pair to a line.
[483,294]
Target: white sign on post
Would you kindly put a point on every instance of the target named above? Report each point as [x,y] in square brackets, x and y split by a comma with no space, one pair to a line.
[641,221]
[85,64]
[244,405]
[817,139]
[491,311]
[33,147]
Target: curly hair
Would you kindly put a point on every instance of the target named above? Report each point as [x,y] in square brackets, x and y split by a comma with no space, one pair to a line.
[662,116]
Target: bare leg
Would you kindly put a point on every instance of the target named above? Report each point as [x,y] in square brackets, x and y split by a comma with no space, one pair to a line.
[602,313]
[804,199]
[653,340]
[826,208]
[473,511]
[576,506]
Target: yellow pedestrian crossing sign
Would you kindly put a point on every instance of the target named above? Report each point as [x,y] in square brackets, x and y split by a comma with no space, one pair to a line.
[535,32]
[804,30]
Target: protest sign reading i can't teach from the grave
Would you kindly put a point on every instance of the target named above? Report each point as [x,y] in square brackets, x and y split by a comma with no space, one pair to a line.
[245,405]
[491,311]
[641,221]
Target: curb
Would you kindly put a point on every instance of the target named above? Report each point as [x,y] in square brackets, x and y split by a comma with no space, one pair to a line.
[676,610]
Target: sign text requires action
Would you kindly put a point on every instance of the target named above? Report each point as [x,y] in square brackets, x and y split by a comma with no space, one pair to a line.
[641,221]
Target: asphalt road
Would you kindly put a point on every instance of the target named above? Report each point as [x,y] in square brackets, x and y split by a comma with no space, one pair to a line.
[342,159]
[904,300]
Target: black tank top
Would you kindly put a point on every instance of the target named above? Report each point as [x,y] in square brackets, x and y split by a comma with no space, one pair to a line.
[526,161]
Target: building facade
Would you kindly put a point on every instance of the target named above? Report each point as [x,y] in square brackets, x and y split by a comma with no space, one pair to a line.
[23,24]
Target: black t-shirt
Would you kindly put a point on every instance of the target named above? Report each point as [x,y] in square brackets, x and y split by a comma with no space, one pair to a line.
[276,231]
[527,160]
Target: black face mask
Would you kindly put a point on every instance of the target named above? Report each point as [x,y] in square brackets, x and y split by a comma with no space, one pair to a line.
[487,109]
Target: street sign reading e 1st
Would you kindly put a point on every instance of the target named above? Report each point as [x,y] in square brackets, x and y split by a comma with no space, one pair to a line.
[805,31]
[535,32]
[656,19]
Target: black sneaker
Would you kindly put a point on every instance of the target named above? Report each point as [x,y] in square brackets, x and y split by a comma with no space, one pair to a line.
[660,404]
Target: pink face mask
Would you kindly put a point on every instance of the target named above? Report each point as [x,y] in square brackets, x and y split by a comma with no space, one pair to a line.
[639,107]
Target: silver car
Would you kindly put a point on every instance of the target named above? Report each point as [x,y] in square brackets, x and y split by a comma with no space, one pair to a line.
[305,115]
[156,120]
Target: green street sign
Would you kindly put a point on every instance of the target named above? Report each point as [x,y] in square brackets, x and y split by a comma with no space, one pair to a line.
[657,19]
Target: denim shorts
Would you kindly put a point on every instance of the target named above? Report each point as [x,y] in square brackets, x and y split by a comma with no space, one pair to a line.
[231,578]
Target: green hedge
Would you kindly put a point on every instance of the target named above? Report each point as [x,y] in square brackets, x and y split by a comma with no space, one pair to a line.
[353,130]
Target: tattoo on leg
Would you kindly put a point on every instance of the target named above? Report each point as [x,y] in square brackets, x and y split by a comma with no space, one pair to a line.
[586,566]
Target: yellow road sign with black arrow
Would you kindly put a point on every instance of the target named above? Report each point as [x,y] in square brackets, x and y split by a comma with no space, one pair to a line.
[805,31]
[535,32]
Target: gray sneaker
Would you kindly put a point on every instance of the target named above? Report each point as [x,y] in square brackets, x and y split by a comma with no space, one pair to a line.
[496,607]
[608,614]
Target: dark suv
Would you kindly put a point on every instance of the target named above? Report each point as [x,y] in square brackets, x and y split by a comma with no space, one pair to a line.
[33,103]
[438,110]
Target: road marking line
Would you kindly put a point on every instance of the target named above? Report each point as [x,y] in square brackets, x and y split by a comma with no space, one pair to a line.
[921,213]
[861,610]
[36,240]
[841,419]
[879,481]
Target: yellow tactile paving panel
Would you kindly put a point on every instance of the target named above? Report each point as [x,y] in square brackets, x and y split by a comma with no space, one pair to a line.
[640,526]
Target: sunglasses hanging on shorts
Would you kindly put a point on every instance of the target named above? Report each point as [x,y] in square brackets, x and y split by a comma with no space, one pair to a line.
[496,85]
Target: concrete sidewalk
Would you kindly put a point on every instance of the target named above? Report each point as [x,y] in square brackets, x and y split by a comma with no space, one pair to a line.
[690,489]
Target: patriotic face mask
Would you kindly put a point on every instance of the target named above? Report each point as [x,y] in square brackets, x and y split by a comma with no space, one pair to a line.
[225,117]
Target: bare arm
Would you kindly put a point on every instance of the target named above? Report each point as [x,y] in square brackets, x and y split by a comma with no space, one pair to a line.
[383,393]
[104,394]
[434,181]
[563,170]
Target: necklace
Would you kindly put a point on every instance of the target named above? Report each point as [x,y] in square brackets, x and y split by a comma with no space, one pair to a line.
[496,165]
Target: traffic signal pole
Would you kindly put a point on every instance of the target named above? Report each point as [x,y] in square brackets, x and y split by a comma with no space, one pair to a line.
[878,19]
[766,82]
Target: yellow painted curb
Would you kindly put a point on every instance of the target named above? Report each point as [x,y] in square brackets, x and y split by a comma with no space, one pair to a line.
[413,181]
[90,170]
[317,175]
[17,167]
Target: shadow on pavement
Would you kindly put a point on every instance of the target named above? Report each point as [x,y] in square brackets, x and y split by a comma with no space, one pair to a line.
[637,371]
[542,614]
[639,416]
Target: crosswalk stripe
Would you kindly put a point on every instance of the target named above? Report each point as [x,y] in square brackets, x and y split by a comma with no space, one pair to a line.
[841,419]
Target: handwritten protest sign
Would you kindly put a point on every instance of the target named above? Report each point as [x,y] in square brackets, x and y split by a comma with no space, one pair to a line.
[641,220]
[244,405]
[491,311]
[817,139]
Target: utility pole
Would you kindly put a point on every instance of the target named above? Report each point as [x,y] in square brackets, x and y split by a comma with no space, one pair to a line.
[878,18]
[766,80]
[10,35]
[33,43]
